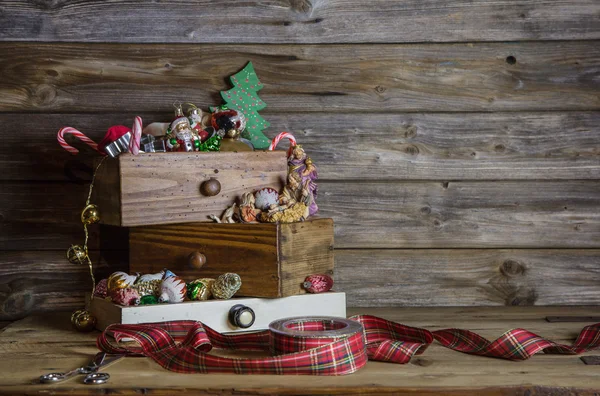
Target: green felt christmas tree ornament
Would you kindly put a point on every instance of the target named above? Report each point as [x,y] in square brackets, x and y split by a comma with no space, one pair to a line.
[244,98]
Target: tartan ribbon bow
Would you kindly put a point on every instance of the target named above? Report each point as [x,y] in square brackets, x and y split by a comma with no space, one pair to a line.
[183,346]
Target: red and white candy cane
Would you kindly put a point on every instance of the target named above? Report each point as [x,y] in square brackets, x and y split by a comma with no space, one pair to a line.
[72,131]
[136,136]
[282,135]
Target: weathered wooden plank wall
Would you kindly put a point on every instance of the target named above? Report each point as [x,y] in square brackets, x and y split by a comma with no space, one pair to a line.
[458,141]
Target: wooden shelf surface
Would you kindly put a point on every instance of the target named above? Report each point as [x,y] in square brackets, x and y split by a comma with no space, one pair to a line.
[41,344]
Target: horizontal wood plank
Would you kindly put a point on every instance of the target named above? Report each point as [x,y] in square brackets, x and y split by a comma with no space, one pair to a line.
[463,214]
[485,214]
[35,282]
[299,21]
[457,277]
[46,216]
[38,77]
[44,281]
[439,146]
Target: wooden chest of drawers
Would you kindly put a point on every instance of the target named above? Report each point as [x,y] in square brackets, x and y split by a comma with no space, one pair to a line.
[164,188]
[272,259]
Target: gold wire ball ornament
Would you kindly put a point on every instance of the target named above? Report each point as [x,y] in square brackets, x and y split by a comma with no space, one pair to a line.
[83,320]
[90,214]
[77,254]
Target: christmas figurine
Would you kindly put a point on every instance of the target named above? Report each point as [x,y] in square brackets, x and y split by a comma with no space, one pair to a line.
[244,98]
[300,163]
[248,210]
[183,138]
[294,203]
[195,117]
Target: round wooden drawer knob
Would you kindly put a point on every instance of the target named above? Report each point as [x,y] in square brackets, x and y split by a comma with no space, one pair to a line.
[211,187]
[196,260]
[241,316]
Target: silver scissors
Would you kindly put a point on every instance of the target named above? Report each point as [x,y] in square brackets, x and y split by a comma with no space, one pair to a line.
[92,376]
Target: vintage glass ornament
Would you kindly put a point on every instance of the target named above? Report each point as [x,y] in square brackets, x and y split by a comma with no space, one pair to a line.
[230,124]
[76,254]
[150,277]
[148,288]
[226,120]
[90,214]
[195,117]
[182,136]
[126,297]
[120,280]
[83,320]
[226,286]
[200,289]
[318,283]
[148,300]
[101,289]
[172,290]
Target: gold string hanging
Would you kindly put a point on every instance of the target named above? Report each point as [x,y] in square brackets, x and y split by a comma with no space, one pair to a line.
[78,254]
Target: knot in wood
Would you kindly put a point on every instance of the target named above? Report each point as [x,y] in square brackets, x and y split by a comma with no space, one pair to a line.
[380,89]
[522,297]
[301,5]
[43,95]
[411,131]
[411,149]
[511,268]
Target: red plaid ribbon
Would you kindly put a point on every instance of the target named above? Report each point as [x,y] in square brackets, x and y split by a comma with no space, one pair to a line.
[182,346]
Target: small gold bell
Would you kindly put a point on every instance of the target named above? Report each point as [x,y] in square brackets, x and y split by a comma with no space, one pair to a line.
[83,320]
[90,214]
[76,254]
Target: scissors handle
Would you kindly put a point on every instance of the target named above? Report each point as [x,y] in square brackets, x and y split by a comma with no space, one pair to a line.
[59,377]
[96,378]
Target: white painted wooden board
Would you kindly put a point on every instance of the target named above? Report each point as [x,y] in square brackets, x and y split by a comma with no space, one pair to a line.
[214,313]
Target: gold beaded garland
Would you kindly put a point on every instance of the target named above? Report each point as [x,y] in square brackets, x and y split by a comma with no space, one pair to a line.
[82,319]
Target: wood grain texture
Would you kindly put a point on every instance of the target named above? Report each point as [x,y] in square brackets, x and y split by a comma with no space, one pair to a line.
[299,21]
[304,248]
[46,216]
[463,214]
[303,78]
[249,252]
[165,188]
[28,349]
[457,277]
[485,214]
[271,259]
[434,146]
[35,282]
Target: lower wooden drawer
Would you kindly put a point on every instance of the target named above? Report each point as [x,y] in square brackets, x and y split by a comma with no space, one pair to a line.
[272,259]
